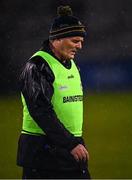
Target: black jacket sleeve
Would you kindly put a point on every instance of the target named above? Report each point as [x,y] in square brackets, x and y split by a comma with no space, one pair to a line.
[36,83]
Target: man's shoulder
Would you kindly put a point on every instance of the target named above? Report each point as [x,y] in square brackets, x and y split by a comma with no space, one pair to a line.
[36,62]
[39,65]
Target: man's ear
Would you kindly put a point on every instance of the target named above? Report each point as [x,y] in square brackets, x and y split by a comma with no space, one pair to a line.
[54,43]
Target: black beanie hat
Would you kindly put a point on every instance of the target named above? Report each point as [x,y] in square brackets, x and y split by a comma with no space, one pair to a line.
[66,25]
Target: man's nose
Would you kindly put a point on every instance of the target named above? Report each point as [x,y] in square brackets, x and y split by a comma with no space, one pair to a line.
[79,45]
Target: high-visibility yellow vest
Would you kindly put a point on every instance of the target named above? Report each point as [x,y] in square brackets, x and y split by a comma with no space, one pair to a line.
[67,99]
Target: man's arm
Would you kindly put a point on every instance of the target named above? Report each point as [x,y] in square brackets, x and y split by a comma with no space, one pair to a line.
[37,89]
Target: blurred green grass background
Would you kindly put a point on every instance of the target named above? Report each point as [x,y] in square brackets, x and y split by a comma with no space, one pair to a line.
[107,133]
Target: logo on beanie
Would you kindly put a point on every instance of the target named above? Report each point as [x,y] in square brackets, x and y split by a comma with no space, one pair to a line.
[63,25]
[79,23]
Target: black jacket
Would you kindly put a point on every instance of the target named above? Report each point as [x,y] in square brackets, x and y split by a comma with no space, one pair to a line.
[52,150]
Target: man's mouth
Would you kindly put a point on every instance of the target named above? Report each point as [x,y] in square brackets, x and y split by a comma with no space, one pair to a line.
[74,52]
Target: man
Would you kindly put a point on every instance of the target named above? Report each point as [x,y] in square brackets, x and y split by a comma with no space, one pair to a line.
[51,144]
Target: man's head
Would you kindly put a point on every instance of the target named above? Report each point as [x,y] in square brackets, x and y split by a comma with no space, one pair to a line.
[66,34]
[66,48]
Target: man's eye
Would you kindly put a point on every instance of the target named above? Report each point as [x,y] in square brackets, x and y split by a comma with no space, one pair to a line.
[75,41]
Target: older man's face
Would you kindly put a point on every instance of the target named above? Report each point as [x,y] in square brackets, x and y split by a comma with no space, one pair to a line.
[67,47]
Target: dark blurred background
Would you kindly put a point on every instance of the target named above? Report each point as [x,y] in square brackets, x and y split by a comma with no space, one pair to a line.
[106,60]
[105,63]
